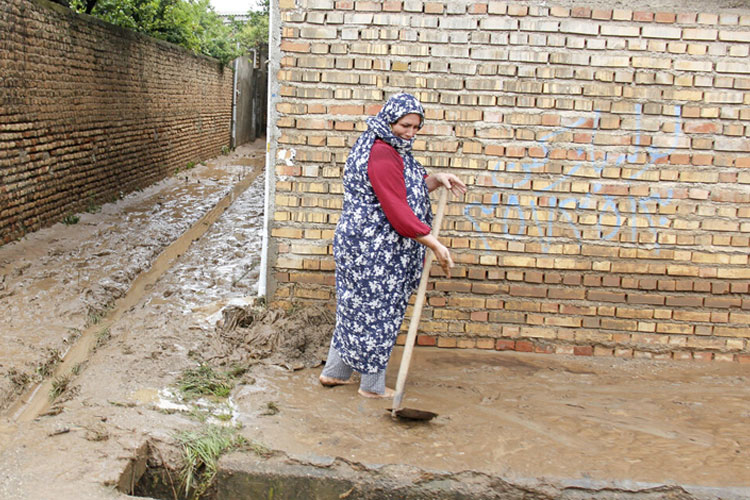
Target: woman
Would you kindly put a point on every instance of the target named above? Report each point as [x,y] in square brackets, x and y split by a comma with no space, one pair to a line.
[379,244]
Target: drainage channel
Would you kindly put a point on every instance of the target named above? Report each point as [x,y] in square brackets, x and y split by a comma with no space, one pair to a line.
[35,401]
[246,476]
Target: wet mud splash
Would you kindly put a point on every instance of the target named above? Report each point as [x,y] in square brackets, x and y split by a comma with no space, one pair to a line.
[296,339]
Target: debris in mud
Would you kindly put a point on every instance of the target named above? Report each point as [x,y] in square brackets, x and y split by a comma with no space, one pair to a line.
[47,365]
[296,339]
[19,380]
[62,390]
[53,411]
[271,409]
[96,432]
[57,432]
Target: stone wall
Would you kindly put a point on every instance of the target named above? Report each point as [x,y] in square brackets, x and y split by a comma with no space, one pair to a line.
[606,153]
[90,112]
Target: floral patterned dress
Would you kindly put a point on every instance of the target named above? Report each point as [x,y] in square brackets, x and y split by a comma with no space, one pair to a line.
[377,269]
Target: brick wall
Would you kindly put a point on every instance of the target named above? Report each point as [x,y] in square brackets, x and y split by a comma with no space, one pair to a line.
[89,112]
[606,152]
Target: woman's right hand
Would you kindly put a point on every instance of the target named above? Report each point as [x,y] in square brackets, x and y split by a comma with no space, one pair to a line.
[442,254]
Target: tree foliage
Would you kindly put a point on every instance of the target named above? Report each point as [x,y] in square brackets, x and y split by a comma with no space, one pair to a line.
[192,24]
[254,33]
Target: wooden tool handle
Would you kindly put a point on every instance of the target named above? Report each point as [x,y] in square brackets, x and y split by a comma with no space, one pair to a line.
[417,313]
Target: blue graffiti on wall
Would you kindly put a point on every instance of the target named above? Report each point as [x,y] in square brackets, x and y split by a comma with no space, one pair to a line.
[563,208]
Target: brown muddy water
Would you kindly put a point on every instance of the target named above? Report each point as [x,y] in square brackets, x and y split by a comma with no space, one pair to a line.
[510,425]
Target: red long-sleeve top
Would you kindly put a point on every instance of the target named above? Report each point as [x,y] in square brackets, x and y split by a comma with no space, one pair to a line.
[385,170]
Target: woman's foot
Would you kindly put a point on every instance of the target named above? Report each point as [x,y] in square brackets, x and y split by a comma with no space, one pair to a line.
[387,394]
[333,382]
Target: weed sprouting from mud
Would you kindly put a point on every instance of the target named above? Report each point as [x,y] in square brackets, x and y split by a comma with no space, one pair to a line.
[205,381]
[201,450]
[46,367]
[92,206]
[271,409]
[102,338]
[95,316]
[70,219]
[19,379]
[59,386]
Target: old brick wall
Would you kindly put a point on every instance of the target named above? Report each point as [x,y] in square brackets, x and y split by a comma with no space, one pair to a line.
[89,111]
[606,152]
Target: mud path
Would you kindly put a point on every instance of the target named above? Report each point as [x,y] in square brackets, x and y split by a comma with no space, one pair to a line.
[149,334]
[57,282]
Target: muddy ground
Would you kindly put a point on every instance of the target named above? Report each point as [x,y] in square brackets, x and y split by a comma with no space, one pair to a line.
[510,425]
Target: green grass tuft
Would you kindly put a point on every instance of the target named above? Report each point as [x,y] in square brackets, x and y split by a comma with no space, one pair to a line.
[70,219]
[59,386]
[102,338]
[204,381]
[201,450]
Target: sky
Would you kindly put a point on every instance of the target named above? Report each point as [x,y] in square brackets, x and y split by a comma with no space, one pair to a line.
[233,6]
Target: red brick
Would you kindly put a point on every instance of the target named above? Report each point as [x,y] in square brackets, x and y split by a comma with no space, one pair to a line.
[527,291]
[533,276]
[544,349]
[685,301]
[666,285]
[722,302]
[583,350]
[702,356]
[611,280]
[567,293]
[601,14]
[486,288]
[719,287]
[477,274]
[552,278]
[437,301]
[453,286]
[590,280]
[427,340]
[479,316]
[505,345]
[589,322]
[572,279]
[478,8]
[645,298]
[604,296]
[665,17]
[643,16]
[524,346]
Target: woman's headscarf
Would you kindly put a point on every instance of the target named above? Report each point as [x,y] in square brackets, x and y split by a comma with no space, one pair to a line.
[379,127]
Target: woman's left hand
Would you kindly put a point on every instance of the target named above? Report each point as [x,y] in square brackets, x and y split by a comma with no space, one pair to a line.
[449,181]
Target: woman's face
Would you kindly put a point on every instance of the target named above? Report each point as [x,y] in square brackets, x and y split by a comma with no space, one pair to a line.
[407,126]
